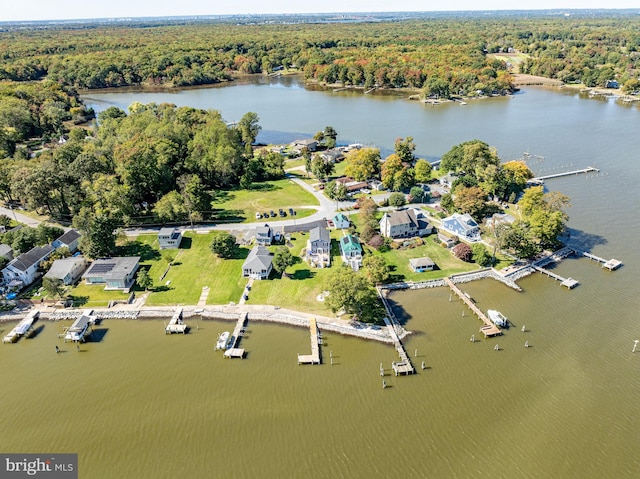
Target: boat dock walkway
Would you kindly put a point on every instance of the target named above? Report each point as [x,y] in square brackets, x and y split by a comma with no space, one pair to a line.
[314,357]
[232,350]
[568,282]
[489,329]
[403,366]
[176,324]
[589,169]
[611,264]
[23,328]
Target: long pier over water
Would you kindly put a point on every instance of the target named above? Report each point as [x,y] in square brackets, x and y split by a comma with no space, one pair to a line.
[314,357]
[589,169]
[489,329]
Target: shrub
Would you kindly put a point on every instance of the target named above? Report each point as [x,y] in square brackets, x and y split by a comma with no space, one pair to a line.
[463,252]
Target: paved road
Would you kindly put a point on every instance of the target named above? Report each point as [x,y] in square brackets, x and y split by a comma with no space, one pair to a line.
[14,215]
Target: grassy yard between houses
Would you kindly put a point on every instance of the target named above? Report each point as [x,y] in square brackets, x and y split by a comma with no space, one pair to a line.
[240,206]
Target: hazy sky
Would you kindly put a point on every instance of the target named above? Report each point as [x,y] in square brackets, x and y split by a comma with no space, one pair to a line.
[70,9]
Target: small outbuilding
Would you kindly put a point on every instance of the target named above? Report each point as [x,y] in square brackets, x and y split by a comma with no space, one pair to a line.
[420,265]
[169,238]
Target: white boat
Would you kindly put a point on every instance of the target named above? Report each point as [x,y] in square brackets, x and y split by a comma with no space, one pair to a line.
[498,318]
[223,340]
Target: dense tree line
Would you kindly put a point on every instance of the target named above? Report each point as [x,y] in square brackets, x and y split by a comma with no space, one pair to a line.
[443,56]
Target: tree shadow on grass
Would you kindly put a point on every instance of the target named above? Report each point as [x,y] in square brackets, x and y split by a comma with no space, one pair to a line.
[136,248]
[240,253]
[302,274]
[228,216]
[161,289]
[394,277]
[79,300]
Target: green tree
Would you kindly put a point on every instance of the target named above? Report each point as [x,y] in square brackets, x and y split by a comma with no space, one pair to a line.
[223,244]
[397,200]
[321,169]
[480,255]
[363,164]
[417,194]
[171,207]
[375,268]
[54,287]
[404,148]
[422,171]
[144,280]
[391,166]
[249,127]
[97,230]
[471,200]
[282,259]
[351,292]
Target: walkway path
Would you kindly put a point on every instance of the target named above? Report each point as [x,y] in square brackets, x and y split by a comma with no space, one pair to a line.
[203,296]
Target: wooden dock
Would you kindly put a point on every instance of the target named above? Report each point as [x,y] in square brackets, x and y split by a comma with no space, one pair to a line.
[403,366]
[23,328]
[176,324]
[489,329]
[589,169]
[314,357]
[568,282]
[611,264]
[233,351]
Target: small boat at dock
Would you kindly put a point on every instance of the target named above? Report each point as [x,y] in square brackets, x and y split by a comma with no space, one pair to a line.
[223,341]
[80,328]
[498,318]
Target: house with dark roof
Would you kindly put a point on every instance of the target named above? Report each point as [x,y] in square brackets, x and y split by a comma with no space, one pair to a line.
[169,238]
[264,235]
[319,247]
[420,265]
[405,223]
[67,270]
[69,239]
[463,226]
[258,264]
[115,273]
[351,251]
[24,268]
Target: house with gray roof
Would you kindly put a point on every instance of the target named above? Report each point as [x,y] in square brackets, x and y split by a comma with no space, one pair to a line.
[308,143]
[169,238]
[420,265]
[69,239]
[264,235]
[340,221]
[406,223]
[115,273]
[351,251]
[258,264]
[6,251]
[319,247]
[463,226]
[24,268]
[332,156]
[67,270]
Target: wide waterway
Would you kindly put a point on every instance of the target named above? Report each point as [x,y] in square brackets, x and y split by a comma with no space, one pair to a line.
[145,405]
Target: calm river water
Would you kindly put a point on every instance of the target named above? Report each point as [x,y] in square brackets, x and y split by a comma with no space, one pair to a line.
[145,405]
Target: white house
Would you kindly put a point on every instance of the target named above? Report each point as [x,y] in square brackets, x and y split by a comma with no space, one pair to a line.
[264,235]
[258,264]
[24,268]
[463,226]
[67,270]
[319,247]
[351,251]
[406,223]
[169,238]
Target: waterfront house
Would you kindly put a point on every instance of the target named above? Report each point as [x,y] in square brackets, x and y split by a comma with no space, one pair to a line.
[67,270]
[24,269]
[69,240]
[332,156]
[169,238]
[463,226]
[319,247]
[405,223]
[352,185]
[308,143]
[6,251]
[447,180]
[258,264]
[500,219]
[351,251]
[115,273]
[264,235]
[420,265]
[341,222]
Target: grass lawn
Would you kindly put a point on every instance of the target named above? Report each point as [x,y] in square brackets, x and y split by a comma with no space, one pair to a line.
[94,295]
[241,205]
[300,290]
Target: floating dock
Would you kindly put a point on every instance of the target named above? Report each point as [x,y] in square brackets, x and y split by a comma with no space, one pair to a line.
[489,329]
[22,328]
[314,357]
[233,351]
[176,324]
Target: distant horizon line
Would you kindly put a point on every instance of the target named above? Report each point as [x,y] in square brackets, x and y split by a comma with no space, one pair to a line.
[123,18]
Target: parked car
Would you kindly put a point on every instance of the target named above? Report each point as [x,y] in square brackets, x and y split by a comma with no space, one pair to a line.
[258,215]
[272,213]
[282,213]
[292,211]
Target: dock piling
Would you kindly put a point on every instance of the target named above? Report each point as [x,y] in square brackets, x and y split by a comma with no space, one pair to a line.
[635,345]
